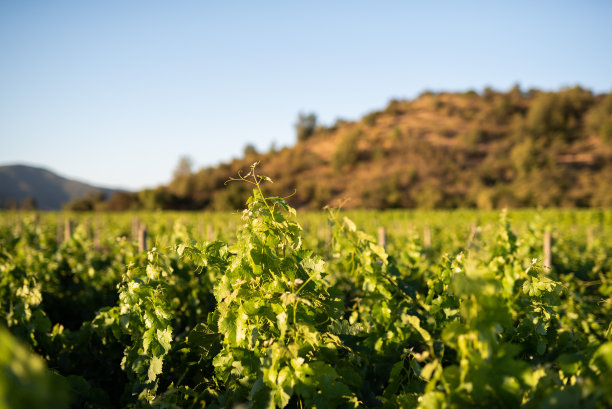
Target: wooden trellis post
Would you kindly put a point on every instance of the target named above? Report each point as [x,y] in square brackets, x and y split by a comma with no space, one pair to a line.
[142,238]
[547,249]
[426,237]
[590,236]
[472,236]
[382,237]
[135,227]
[18,227]
[96,238]
[60,230]
[67,229]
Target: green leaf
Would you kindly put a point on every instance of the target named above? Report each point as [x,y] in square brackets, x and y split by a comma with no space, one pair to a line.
[349,224]
[281,321]
[603,354]
[541,347]
[432,400]
[164,337]
[147,338]
[155,368]
[416,324]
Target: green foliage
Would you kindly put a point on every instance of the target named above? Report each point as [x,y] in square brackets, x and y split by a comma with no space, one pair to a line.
[394,107]
[558,115]
[145,317]
[231,198]
[383,319]
[274,309]
[121,201]
[86,203]
[154,199]
[371,118]
[396,135]
[472,137]
[267,312]
[505,320]
[20,301]
[605,131]
[429,196]
[389,193]
[599,118]
[25,381]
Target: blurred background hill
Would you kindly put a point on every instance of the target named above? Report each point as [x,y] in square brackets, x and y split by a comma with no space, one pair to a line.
[29,188]
[519,148]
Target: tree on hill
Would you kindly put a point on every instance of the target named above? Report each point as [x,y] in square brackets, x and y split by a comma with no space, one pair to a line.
[305,126]
[249,150]
[86,203]
[182,186]
[29,203]
[183,168]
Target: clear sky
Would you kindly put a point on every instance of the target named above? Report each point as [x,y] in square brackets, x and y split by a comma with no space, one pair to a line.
[114,92]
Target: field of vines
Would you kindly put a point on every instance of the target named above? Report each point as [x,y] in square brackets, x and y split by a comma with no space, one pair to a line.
[267,308]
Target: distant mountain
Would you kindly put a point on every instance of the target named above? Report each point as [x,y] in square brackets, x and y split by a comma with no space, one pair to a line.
[51,191]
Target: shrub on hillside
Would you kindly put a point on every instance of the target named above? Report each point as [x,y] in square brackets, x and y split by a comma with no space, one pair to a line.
[347,152]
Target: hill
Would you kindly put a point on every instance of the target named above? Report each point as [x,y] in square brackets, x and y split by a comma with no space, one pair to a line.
[19,184]
[440,150]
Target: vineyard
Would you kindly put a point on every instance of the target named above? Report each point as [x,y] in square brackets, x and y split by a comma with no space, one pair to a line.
[271,309]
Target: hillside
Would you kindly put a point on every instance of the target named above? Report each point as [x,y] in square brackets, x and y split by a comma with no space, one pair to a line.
[444,150]
[19,184]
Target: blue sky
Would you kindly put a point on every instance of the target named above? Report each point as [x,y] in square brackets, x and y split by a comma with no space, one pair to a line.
[114,92]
